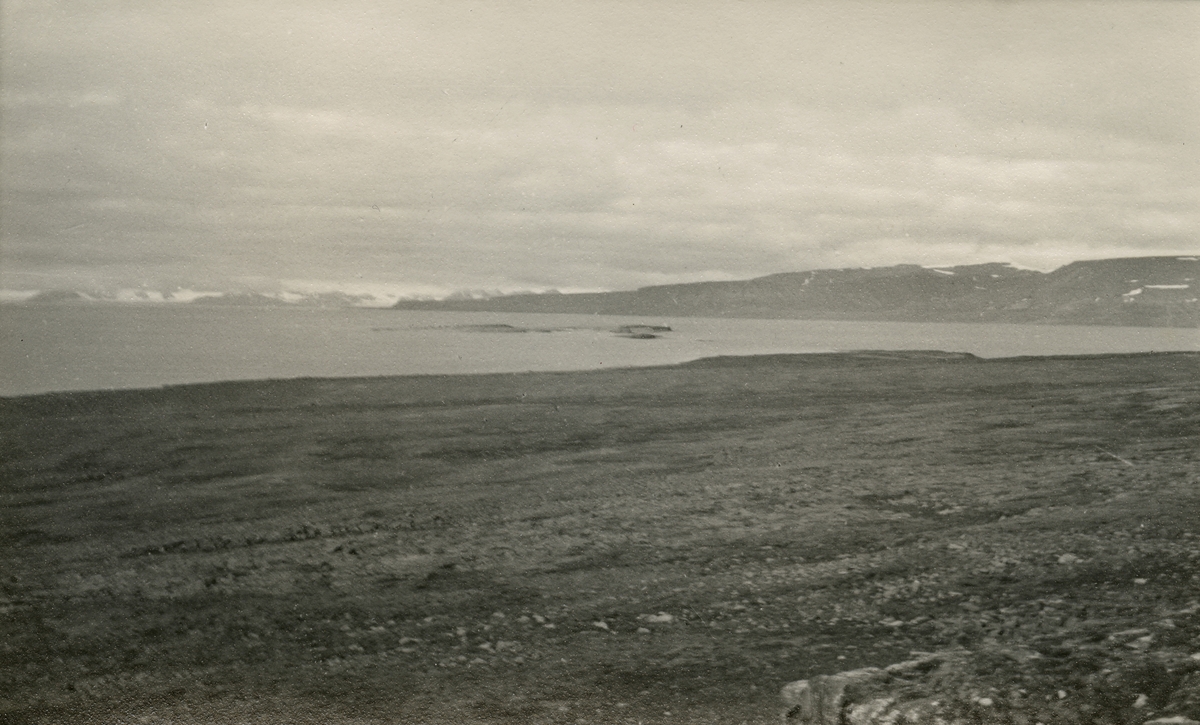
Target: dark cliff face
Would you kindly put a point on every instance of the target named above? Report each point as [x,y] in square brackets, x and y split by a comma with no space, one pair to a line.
[1151,291]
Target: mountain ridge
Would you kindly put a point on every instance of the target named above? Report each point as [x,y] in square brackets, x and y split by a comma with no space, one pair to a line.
[1134,291]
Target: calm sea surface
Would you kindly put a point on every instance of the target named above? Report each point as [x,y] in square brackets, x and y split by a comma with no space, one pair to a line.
[106,346]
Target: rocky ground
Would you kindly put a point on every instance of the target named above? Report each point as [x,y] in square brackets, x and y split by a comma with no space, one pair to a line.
[1073,675]
[658,545]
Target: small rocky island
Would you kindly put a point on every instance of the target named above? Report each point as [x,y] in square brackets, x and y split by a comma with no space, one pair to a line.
[642,332]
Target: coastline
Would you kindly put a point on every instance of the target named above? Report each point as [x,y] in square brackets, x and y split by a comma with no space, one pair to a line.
[93,348]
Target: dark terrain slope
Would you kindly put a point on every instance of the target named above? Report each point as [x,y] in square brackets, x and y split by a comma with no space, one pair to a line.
[1140,291]
[1145,291]
[654,545]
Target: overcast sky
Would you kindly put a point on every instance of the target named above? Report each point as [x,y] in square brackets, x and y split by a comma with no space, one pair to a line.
[423,148]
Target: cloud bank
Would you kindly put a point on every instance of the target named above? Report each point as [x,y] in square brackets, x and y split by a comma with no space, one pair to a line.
[418,148]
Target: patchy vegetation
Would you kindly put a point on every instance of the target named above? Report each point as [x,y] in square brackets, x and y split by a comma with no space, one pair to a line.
[648,545]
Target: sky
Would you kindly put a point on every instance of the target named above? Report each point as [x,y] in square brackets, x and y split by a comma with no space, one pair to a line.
[411,148]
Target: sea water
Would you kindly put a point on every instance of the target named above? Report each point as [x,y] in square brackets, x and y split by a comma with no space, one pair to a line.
[92,347]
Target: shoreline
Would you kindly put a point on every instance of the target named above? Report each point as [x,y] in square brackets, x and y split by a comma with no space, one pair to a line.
[859,355]
[93,349]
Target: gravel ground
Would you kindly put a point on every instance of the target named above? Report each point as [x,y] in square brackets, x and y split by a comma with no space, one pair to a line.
[653,545]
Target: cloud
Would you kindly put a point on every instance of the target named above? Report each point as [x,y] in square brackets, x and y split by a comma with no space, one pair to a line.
[587,145]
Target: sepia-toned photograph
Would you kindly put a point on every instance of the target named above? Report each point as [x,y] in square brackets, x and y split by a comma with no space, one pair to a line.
[613,362]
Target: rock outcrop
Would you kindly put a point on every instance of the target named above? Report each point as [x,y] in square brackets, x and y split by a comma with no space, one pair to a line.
[867,695]
[1004,685]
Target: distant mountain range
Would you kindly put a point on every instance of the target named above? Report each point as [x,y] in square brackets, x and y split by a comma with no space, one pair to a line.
[254,299]
[1143,291]
[210,299]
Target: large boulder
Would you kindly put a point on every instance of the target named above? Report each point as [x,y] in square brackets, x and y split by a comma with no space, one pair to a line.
[858,696]
[820,701]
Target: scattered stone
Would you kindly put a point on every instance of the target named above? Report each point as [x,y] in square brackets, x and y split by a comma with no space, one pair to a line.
[1141,643]
[660,618]
[1126,635]
[601,625]
[943,687]
[1069,559]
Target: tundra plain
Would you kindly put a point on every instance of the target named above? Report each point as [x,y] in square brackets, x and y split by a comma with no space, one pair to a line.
[668,544]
